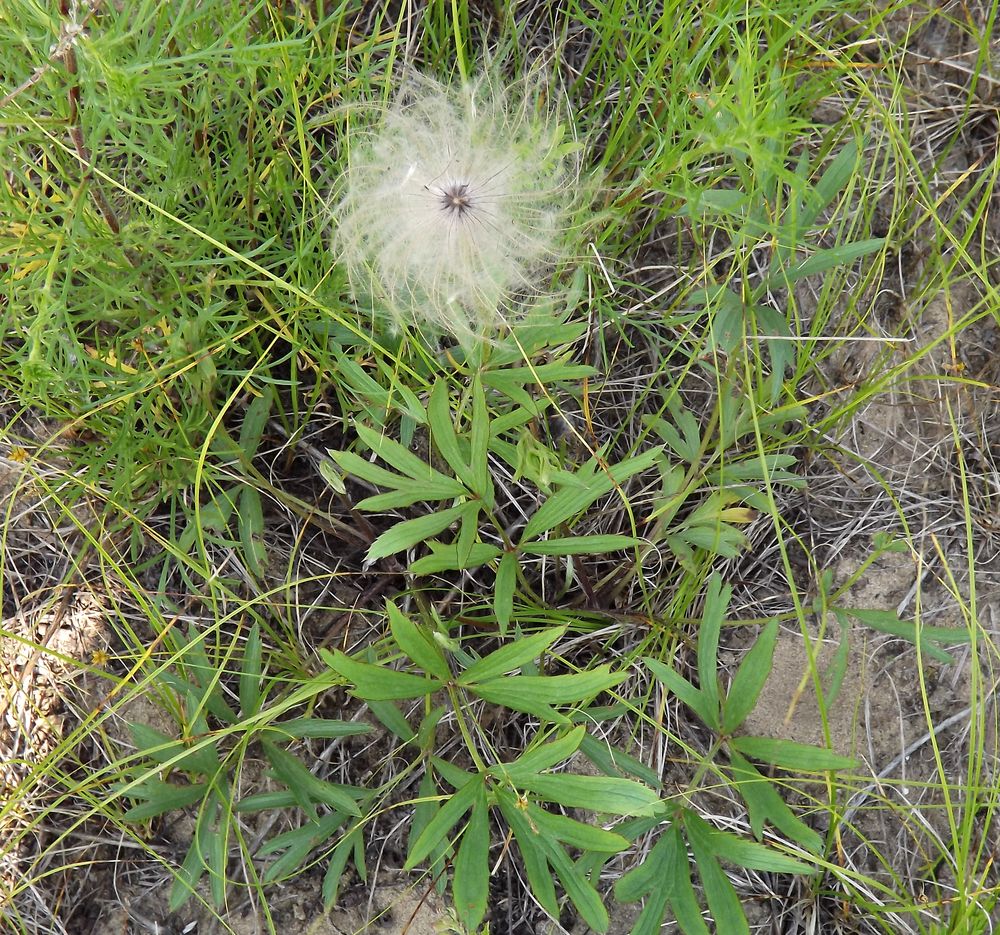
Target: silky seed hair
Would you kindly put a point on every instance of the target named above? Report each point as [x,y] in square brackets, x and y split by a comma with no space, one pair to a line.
[455,203]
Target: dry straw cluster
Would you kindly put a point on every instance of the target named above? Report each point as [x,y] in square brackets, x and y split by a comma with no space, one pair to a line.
[454,201]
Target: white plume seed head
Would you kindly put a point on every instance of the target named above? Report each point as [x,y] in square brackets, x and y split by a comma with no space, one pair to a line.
[455,202]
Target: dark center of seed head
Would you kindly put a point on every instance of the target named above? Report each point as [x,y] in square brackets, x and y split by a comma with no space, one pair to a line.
[456,199]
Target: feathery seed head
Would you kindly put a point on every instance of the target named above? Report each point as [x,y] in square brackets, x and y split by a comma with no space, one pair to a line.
[454,203]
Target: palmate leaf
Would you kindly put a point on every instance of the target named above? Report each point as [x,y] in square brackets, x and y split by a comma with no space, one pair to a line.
[887,621]
[723,903]
[447,558]
[536,864]
[503,591]
[338,864]
[749,680]
[604,794]
[307,788]
[570,501]
[416,645]
[823,260]
[443,433]
[580,545]
[408,533]
[574,833]
[161,797]
[581,892]
[664,879]
[535,694]
[512,656]
[765,804]
[790,754]
[399,456]
[471,884]
[250,674]
[438,486]
[685,691]
[378,683]
[542,757]
[716,601]
[408,492]
[444,821]
[540,850]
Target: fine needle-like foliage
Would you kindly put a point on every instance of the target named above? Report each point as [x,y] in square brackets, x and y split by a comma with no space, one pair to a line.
[455,201]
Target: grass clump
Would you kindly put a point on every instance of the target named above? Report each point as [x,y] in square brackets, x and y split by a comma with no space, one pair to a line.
[611,556]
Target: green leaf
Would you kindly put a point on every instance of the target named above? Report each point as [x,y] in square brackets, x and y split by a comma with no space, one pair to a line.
[575,833]
[571,501]
[445,819]
[408,533]
[250,674]
[838,173]
[261,801]
[792,755]
[723,902]
[423,813]
[154,744]
[296,845]
[416,646]
[215,850]
[511,380]
[443,433]
[580,545]
[716,602]
[251,523]
[335,869]
[765,804]
[329,472]
[468,531]
[399,456]
[521,698]
[650,920]
[529,843]
[683,898]
[886,621]
[446,558]
[726,201]
[390,716]
[188,875]
[582,894]
[503,591]
[547,689]
[207,676]
[653,873]
[408,492]
[481,483]
[455,776]
[743,853]
[684,438]
[254,420]
[542,757]
[318,727]
[749,680]
[162,797]
[351,463]
[612,762]
[304,785]
[823,260]
[377,683]
[513,655]
[197,756]
[685,691]
[471,884]
[605,794]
